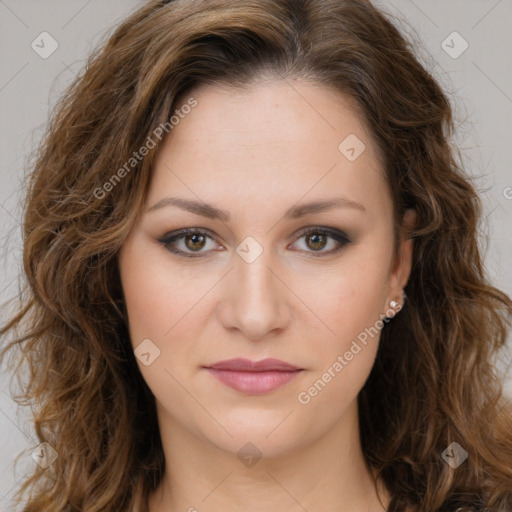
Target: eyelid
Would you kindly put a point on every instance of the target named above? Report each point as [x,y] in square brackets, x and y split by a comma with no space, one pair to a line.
[336,234]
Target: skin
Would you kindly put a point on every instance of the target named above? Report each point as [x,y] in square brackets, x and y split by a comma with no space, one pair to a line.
[256,152]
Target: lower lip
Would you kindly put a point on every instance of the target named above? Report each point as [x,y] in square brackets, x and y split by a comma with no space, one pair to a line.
[255,383]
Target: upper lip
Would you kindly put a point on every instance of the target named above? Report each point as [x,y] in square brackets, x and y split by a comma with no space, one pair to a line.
[246,365]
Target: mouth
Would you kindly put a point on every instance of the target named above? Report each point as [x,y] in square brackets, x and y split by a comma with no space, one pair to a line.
[253,377]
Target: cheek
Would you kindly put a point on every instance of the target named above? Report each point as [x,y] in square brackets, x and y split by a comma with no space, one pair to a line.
[158,312]
[343,360]
[170,306]
[159,297]
[160,309]
[349,299]
[350,304]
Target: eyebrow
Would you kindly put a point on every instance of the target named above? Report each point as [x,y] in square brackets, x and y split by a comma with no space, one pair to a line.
[295,212]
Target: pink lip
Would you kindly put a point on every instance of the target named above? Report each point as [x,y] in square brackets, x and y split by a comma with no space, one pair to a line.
[253,377]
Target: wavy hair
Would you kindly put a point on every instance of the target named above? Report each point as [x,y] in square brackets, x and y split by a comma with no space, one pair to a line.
[434,381]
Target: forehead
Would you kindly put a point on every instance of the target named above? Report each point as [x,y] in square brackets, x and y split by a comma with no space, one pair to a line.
[275,139]
[296,109]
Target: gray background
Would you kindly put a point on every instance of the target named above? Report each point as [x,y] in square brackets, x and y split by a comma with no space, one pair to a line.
[479,83]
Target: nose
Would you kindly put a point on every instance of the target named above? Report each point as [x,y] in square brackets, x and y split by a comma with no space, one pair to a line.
[254,299]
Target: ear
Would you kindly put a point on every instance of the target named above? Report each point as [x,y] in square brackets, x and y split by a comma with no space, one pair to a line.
[403,260]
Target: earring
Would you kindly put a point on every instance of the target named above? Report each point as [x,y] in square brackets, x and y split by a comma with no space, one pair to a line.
[396,304]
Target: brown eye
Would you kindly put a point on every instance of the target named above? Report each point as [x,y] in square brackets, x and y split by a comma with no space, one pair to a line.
[195,242]
[316,241]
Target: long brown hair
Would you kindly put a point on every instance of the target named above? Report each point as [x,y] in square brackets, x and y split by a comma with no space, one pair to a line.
[434,381]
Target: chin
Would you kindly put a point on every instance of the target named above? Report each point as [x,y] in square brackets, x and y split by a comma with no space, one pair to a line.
[270,435]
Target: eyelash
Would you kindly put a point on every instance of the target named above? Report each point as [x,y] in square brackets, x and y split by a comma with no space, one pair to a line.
[335,234]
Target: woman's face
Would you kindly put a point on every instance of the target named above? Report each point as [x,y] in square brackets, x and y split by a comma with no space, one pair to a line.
[290,257]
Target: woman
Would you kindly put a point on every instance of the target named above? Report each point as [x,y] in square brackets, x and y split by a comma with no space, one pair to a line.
[253,275]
